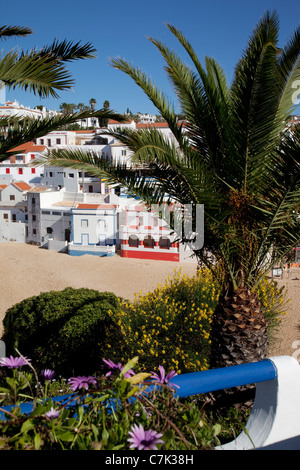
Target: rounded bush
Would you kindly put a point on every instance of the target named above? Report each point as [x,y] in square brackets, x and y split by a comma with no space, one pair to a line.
[64,330]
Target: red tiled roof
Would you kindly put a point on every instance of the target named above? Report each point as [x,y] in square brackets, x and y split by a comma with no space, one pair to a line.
[3,186]
[37,189]
[28,147]
[88,131]
[152,124]
[96,206]
[22,185]
[113,121]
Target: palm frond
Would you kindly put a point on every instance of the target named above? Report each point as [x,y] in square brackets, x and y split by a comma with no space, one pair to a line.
[157,97]
[10,31]
[206,102]
[288,74]
[34,74]
[65,51]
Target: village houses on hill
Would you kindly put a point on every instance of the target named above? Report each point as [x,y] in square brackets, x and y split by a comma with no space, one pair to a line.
[67,210]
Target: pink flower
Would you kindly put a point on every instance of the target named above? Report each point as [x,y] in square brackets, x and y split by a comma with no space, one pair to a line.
[14,362]
[144,440]
[162,378]
[47,374]
[76,383]
[52,413]
[114,367]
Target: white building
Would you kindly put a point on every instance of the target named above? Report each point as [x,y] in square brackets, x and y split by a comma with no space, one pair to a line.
[13,211]
[49,215]
[72,180]
[14,109]
[49,221]
[17,166]
[144,236]
[94,229]
[146,118]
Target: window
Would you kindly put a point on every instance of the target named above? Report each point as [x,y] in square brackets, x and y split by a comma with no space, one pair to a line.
[34,231]
[58,141]
[49,230]
[123,152]
[102,225]
[32,170]
[32,156]
[7,170]
[33,200]
[20,171]
[133,241]
[50,174]
[71,175]
[14,218]
[149,242]
[5,216]
[42,141]
[49,142]
[84,223]
[164,243]
[12,197]
[46,212]
[56,213]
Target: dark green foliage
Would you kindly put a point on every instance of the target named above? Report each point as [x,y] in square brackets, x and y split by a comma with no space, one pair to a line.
[64,330]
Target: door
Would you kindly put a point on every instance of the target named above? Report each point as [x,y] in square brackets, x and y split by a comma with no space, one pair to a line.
[85,239]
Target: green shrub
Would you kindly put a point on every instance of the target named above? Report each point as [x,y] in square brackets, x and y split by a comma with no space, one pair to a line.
[64,330]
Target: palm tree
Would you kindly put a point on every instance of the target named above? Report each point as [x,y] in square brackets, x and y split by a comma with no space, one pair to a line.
[67,108]
[93,103]
[42,72]
[235,156]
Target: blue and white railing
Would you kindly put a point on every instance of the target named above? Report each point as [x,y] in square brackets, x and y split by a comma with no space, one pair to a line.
[274,421]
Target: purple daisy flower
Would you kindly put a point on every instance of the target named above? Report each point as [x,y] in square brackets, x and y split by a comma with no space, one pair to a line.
[52,413]
[47,374]
[144,440]
[14,362]
[162,378]
[114,367]
[76,383]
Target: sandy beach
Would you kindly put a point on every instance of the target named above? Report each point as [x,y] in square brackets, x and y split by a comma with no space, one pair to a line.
[28,270]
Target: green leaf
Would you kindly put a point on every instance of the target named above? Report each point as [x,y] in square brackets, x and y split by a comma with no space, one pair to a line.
[37,441]
[130,365]
[67,436]
[27,426]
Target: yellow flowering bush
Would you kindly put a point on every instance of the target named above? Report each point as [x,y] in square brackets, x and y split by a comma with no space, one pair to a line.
[171,325]
[274,301]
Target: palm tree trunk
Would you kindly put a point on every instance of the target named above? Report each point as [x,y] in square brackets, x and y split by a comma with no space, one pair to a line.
[239,330]
[238,335]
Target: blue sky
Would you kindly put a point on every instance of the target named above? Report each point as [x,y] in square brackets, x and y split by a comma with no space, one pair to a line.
[217,28]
